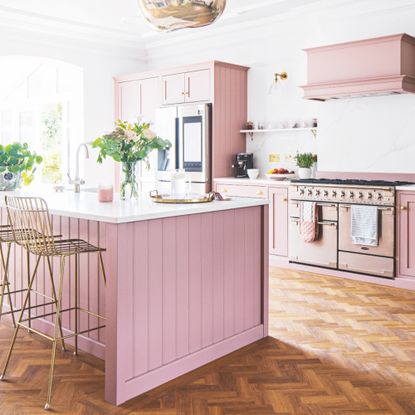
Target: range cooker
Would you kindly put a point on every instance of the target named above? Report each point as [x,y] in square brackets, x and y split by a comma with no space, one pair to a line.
[334,247]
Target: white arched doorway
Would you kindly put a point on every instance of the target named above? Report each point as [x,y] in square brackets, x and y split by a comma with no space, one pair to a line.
[41,103]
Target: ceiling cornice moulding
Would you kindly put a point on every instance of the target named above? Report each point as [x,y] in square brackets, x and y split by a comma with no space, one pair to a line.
[15,19]
[28,39]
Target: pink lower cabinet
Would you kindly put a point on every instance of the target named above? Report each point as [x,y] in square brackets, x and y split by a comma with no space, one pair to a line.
[406,234]
[278,221]
[182,292]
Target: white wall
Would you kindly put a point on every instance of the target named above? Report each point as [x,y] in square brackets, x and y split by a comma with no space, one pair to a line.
[361,135]
[99,66]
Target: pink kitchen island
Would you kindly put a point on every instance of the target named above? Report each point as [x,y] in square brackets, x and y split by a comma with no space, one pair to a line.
[186,284]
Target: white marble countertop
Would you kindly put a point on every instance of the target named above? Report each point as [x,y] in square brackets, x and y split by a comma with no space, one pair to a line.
[261,181]
[85,205]
[409,187]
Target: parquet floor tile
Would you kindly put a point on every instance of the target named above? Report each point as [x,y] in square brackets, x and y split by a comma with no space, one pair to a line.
[337,347]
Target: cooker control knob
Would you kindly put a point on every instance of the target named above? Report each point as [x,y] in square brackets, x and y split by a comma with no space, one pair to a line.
[301,191]
[342,194]
[380,196]
[317,192]
[351,194]
[370,196]
[326,193]
[360,195]
[334,193]
[310,192]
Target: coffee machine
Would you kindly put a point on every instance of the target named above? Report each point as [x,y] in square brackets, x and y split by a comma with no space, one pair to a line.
[243,162]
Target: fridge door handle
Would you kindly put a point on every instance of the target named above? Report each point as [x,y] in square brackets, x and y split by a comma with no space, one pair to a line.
[178,163]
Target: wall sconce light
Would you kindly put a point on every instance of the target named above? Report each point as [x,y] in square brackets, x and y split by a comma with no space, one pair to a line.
[279,76]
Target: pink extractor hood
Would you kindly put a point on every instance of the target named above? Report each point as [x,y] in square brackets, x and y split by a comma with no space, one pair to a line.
[380,66]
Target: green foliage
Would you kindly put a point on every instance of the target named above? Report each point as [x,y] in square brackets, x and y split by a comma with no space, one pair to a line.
[51,171]
[17,158]
[304,160]
[129,143]
[52,126]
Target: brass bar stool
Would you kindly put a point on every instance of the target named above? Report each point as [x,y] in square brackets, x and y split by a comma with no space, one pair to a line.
[7,238]
[32,215]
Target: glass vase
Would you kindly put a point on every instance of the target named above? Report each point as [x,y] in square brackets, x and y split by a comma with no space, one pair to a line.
[129,185]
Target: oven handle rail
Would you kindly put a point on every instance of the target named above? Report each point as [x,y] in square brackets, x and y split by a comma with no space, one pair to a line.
[384,209]
[323,223]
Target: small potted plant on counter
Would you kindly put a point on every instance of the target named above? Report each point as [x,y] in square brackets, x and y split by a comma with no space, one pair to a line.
[17,165]
[128,144]
[304,162]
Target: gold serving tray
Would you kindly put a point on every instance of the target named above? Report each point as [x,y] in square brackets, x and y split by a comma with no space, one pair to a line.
[158,198]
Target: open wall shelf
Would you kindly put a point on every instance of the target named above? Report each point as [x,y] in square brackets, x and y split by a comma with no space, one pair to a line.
[251,133]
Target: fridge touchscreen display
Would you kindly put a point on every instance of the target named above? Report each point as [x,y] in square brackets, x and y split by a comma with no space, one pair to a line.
[192,142]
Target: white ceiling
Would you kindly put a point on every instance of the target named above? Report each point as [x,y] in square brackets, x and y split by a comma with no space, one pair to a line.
[120,22]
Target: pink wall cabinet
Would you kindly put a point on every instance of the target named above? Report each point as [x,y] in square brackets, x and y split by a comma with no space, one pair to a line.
[197,84]
[173,89]
[278,221]
[191,86]
[137,98]
[406,235]
[149,98]
[128,101]
[224,85]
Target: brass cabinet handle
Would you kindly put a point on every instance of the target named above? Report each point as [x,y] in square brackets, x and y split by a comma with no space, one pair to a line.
[260,193]
[331,224]
[404,208]
[285,199]
[225,190]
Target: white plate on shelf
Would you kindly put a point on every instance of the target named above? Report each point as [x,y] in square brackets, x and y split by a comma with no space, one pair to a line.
[281,176]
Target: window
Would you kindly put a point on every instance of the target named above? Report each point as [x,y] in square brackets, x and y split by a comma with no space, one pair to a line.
[41,103]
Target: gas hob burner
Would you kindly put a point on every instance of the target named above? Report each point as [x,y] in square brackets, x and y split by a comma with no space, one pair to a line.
[351,182]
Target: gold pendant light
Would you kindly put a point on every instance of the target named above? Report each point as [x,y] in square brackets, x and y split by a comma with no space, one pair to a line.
[169,15]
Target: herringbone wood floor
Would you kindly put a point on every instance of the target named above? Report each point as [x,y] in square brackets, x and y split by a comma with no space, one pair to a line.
[338,348]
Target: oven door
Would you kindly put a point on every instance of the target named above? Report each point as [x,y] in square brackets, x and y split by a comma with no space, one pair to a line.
[322,252]
[386,245]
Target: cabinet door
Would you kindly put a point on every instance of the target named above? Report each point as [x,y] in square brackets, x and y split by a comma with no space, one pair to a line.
[149,96]
[150,100]
[406,234]
[128,101]
[197,86]
[278,233]
[173,89]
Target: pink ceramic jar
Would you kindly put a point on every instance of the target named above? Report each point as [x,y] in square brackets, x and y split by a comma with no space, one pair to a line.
[105,194]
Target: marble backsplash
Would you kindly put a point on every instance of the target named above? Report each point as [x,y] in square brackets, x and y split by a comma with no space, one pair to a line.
[373,135]
[368,135]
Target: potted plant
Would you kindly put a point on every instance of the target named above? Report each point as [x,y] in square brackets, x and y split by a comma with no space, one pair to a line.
[17,165]
[304,162]
[128,144]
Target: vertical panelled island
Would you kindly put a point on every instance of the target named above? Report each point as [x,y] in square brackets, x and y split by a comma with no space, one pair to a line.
[186,284]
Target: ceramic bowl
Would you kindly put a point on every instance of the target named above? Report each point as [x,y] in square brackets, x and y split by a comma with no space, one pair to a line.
[253,173]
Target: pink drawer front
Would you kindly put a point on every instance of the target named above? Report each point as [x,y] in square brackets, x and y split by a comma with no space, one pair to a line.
[366,264]
[260,192]
[327,211]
